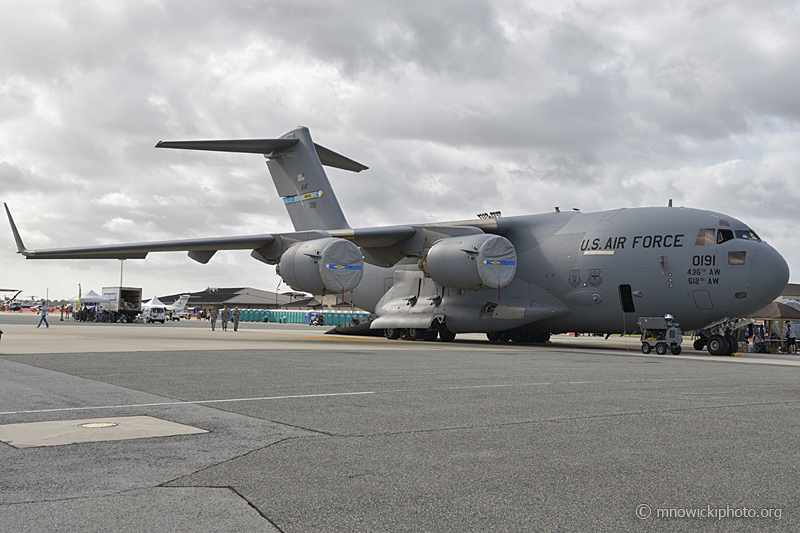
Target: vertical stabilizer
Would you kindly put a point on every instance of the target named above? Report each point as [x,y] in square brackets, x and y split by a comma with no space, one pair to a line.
[295,164]
[302,183]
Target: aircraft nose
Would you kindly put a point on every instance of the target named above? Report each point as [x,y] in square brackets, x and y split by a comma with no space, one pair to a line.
[770,274]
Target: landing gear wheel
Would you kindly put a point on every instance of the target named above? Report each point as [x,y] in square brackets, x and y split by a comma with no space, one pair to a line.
[430,335]
[446,335]
[646,348]
[518,336]
[661,348]
[540,336]
[676,350]
[732,344]
[699,344]
[493,336]
[414,334]
[391,333]
[717,345]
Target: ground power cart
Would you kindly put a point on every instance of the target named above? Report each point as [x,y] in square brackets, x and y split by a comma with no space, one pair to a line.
[660,334]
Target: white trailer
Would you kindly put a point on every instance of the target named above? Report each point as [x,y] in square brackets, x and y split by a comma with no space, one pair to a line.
[122,299]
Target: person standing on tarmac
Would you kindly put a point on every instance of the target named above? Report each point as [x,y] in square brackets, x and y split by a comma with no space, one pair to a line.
[236,314]
[43,311]
[213,316]
[226,315]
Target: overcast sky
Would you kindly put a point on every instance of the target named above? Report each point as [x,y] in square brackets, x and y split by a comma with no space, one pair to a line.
[458,107]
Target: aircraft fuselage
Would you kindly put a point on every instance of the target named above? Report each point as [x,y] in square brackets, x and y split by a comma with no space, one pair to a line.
[599,272]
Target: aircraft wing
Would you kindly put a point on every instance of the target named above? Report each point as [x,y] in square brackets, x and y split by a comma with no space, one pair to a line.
[266,247]
[382,246]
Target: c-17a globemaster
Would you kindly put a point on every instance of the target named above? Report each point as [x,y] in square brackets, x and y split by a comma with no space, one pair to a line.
[522,278]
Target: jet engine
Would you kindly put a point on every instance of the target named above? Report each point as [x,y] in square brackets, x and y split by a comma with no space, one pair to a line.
[471,262]
[322,265]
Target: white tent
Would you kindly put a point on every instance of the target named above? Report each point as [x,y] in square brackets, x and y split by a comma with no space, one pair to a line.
[155,302]
[90,297]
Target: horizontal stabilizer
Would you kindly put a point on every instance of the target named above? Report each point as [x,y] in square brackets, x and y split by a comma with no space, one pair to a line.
[265,147]
[329,158]
[248,146]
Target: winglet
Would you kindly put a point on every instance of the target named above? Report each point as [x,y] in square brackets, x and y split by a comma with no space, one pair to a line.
[20,245]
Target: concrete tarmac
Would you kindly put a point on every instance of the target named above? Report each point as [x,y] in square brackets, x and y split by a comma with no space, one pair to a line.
[311,432]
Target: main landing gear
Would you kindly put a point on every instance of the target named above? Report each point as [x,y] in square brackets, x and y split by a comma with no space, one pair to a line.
[415,334]
[721,344]
[718,337]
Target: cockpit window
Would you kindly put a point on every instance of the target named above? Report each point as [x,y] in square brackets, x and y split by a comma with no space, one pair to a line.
[705,237]
[747,234]
[724,235]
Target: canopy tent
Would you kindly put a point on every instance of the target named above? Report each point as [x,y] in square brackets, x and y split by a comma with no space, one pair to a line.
[155,302]
[791,303]
[776,311]
[91,297]
[776,315]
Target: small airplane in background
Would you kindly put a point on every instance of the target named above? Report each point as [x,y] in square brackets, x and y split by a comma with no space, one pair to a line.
[173,311]
[12,303]
[177,310]
[518,278]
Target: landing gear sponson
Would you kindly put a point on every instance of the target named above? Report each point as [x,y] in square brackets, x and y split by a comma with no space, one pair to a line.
[441,332]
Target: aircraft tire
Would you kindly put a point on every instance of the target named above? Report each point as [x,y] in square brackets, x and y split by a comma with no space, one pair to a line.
[413,334]
[676,350]
[699,344]
[518,336]
[493,336]
[646,348]
[430,336]
[732,344]
[540,336]
[661,348]
[392,333]
[446,335]
[717,345]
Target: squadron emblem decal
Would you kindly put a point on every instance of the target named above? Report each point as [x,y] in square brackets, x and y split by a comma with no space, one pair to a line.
[574,277]
[594,278]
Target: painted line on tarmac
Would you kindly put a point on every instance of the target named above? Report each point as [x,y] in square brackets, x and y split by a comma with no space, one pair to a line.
[334,394]
[161,404]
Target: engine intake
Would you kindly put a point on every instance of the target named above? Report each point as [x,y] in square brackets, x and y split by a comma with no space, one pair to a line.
[471,262]
[322,265]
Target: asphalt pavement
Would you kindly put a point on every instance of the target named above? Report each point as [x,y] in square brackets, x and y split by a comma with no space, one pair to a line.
[311,432]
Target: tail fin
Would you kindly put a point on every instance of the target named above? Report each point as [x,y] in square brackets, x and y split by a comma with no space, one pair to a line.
[295,163]
[180,304]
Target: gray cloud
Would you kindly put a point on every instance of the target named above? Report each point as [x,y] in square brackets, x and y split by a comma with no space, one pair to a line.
[457,107]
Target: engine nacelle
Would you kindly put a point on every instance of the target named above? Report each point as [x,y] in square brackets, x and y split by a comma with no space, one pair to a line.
[472,262]
[322,265]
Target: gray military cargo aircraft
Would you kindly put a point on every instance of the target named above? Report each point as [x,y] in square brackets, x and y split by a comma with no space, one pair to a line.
[518,278]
